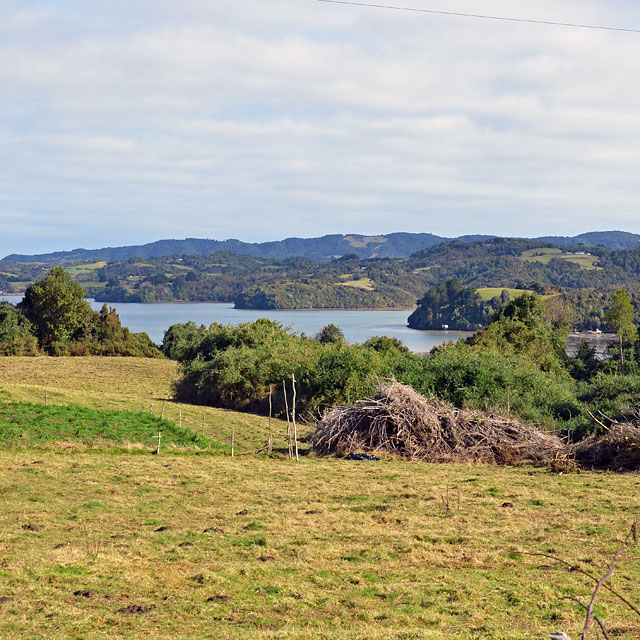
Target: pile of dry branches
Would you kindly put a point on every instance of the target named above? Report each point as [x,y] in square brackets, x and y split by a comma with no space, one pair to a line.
[400,421]
[617,449]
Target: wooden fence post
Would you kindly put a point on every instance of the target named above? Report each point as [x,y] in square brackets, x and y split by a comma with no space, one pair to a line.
[286,405]
[293,416]
[270,445]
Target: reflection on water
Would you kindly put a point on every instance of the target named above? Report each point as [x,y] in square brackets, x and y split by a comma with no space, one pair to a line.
[357,325]
[598,342]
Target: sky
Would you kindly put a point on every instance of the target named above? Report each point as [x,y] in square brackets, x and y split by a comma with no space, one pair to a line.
[127,122]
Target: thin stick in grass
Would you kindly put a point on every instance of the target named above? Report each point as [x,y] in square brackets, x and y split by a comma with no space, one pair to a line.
[286,406]
[596,591]
[577,569]
[270,445]
[584,606]
[293,416]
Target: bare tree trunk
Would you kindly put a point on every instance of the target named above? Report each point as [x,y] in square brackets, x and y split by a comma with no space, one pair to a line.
[621,357]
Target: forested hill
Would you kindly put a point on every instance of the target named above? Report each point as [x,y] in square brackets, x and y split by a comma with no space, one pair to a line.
[346,282]
[393,245]
[611,239]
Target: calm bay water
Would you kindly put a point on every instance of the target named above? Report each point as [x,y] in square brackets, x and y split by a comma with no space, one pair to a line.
[357,325]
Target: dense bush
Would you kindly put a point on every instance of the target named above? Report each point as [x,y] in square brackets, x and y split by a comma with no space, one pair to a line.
[516,366]
[16,333]
[460,308]
[55,319]
[520,329]
[235,367]
[485,379]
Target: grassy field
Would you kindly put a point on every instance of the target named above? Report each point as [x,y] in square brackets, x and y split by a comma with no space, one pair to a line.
[86,268]
[99,544]
[363,283]
[104,546]
[545,255]
[27,425]
[486,293]
[134,384]
[365,241]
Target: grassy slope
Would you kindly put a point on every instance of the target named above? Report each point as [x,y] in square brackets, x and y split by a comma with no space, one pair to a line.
[322,549]
[364,283]
[28,425]
[486,293]
[136,384]
[545,255]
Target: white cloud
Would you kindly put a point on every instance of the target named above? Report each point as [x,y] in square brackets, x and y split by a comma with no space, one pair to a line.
[123,124]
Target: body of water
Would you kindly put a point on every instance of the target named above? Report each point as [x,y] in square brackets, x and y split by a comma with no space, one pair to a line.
[357,325]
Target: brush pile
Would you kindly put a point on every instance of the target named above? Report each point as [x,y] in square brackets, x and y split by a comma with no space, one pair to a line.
[401,422]
[617,449]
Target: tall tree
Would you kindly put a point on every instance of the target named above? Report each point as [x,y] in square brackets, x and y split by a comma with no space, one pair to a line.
[619,316]
[57,309]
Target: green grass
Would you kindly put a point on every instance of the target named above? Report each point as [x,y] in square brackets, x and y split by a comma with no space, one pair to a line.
[215,547]
[545,255]
[544,252]
[85,268]
[486,293]
[131,384]
[588,263]
[97,545]
[363,283]
[26,424]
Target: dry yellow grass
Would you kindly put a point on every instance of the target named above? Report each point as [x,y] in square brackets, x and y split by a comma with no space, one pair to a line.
[98,545]
[124,546]
[363,283]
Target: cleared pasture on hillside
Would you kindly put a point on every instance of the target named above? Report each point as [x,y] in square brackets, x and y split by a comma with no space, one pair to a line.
[486,293]
[545,255]
[135,384]
[122,546]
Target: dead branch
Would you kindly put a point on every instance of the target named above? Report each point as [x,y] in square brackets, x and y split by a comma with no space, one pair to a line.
[584,606]
[597,590]
[577,569]
[400,421]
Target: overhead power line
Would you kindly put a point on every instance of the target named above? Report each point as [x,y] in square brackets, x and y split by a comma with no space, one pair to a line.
[482,16]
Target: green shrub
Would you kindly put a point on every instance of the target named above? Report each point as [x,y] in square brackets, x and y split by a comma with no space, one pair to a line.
[16,333]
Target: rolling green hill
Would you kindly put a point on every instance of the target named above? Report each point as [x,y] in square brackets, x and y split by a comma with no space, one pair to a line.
[392,245]
[255,282]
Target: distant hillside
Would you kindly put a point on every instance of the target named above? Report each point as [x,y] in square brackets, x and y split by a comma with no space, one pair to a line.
[392,245]
[615,240]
